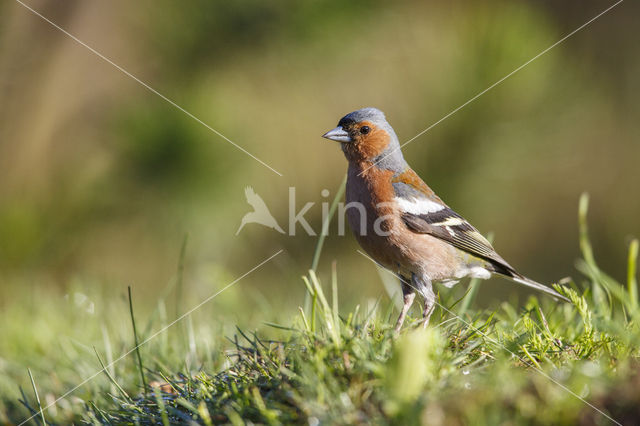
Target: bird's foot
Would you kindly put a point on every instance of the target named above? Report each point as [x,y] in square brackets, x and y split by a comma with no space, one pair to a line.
[426,314]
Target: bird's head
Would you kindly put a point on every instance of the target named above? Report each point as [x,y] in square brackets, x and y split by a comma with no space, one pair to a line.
[365,135]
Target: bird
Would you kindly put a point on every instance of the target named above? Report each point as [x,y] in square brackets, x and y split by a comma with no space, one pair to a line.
[403,225]
[260,213]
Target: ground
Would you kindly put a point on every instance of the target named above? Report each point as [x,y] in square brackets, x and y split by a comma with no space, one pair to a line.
[545,363]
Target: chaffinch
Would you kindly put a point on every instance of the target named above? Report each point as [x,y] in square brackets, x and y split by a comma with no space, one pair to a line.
[402,224]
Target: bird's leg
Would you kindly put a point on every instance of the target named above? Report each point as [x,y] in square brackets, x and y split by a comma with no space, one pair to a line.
[426,291]
[408,295]
[426,313]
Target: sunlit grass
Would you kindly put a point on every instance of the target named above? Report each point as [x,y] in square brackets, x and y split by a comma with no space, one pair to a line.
[548,363]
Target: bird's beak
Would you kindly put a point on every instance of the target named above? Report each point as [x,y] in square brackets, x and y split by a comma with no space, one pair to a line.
[338,134]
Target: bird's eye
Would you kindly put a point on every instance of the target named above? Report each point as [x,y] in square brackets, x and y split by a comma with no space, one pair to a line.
[364,130]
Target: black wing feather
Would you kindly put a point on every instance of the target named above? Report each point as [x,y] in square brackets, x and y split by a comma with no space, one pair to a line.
[462,236]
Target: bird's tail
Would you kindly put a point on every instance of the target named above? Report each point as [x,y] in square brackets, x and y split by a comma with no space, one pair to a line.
[521,279]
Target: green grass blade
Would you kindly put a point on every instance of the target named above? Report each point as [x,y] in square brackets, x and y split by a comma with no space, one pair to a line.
[632,282]
[135,339]
[326,222]
[179,278]
[334,295]
[157,392]
[110,377]
[35,391]
[585,244]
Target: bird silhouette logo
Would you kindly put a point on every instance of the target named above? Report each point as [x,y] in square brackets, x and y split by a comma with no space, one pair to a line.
[260,213]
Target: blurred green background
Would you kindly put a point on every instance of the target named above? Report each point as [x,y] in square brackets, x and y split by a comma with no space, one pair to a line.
[101,179]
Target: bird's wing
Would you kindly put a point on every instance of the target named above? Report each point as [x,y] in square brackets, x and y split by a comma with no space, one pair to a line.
[450,227]
[424,213]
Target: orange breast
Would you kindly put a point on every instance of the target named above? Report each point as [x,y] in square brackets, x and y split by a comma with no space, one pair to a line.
[400,250]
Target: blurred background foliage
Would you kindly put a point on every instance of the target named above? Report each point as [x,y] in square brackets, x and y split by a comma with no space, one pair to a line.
[101,179]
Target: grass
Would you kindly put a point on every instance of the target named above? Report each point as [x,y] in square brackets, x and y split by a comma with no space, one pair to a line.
[545,363]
